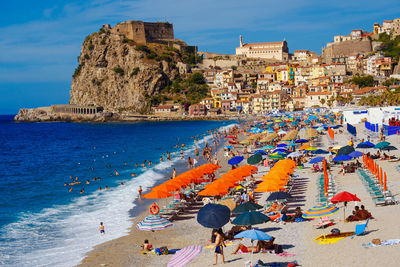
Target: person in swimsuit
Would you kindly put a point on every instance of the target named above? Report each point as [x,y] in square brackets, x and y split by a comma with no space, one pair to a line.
[219,245]
[140,192]
[101,228]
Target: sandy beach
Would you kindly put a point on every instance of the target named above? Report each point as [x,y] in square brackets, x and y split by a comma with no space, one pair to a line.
[297,239]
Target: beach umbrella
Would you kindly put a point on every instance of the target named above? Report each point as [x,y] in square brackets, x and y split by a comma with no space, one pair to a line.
[253,234]
[250,218]
[381,145]
[153,223]
[320,211]
[366,144]
[157,194]
[184,256]
[280,195]
[280,150]
[282,145]
[229,202]
[276,157]
[262,152]
[235,160]
[231,137]
[337,147]
[295,154]
[229,147]
[356,154]
[342,158]
[167,187]
[319,152]
[316,160]
[300,141]
[311,148]
[388,148]
[345,150]
[344,197]
[247,206]
[268,147]
[213,216]
[254,159]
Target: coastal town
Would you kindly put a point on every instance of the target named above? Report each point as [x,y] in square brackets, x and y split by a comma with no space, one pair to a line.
[265,77]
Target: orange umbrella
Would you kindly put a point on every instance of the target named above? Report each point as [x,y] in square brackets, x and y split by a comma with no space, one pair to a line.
[167,187]
[212,192]
[304,147]
[157,194]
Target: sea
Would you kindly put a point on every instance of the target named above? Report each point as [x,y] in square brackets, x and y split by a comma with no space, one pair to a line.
[42,223]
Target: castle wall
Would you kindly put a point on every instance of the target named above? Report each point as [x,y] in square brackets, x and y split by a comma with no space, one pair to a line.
[158,31]
[346,48]
[144,32]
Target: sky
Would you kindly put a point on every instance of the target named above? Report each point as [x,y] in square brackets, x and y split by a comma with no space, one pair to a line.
[40,40]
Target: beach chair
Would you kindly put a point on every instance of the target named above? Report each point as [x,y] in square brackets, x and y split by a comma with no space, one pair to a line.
[324,222]
[360,228]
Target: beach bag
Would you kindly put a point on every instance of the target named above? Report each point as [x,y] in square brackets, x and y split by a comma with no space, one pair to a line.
[335,231]
[376,241]
[161,251]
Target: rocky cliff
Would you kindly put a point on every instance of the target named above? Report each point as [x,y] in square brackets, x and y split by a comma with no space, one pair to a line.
[118,74]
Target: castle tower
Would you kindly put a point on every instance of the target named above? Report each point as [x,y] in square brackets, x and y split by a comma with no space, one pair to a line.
[241,41]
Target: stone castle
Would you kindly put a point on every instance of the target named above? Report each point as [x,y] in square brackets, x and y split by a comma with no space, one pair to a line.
[144,32]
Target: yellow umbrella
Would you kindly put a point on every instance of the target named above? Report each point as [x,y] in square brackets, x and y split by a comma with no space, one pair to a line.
[229,202]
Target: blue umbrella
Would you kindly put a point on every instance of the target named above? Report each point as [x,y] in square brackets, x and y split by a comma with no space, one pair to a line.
[262,152]
[280,150]
[355,154]
[268,147]
[282,145]
[254,234]
[235,160]
[342,158]
[278,196]
[319,151]
[213,215]
[366,144]
[250,218]
[230,147]
[301,141]
[292,143]
[316,160]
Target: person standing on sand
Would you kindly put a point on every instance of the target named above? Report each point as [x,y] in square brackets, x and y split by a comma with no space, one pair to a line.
[173,173]
[101,229]
[140,192]
[219,245]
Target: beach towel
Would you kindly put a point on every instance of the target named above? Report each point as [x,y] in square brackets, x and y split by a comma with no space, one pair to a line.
[227,243]
[389,242]
[332,238]
[285,254]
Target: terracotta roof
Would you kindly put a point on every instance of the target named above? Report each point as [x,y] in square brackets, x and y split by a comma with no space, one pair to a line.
[269,43]
[319,93]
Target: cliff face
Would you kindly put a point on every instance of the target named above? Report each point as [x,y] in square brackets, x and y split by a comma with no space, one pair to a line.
[118,74]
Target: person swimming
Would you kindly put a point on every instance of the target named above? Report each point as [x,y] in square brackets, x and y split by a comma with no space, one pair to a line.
[87,181]
[82,190]
[133,174]
[116,172]
[106,187]
[70,190]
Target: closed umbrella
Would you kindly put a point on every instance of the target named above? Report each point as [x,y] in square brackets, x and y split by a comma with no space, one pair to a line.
[213,215]
[250,218]
[184,256]
[256,158]
[247,206]
[235,160]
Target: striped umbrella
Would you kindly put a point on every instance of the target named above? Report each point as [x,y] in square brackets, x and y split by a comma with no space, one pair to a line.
[229,202]
[184,256]
[320,211]
[152,223]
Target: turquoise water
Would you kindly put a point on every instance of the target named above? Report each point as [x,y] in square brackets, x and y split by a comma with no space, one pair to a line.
[41,222]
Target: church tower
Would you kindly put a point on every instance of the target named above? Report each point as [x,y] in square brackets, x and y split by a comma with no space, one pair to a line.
[241,41]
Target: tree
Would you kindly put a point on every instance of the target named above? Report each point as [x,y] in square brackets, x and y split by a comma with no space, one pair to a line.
[363,81]
[234,67]
[322,100]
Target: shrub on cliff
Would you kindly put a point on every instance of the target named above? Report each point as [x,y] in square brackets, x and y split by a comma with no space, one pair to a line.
[119,71]
[134,72]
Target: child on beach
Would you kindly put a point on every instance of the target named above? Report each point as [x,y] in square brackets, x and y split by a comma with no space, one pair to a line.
[101,228]
[219,245]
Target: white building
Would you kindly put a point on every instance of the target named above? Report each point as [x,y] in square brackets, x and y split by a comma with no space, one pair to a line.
[272,50]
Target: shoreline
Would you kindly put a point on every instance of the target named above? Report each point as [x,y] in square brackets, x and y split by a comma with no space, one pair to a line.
[99,254]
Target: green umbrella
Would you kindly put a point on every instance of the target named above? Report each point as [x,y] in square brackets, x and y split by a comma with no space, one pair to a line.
[256,158]
[276,157]
[388,148]
[247,206]
[382,144]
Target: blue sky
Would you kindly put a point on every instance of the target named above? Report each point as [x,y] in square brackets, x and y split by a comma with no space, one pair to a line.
[40,40]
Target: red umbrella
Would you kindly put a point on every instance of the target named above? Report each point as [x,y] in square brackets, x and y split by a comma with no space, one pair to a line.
[344,196]
[231,137]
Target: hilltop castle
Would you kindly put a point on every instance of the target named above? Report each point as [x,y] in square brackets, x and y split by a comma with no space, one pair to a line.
[144,32]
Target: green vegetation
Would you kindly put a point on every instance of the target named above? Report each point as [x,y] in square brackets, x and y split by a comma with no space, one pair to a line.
[77,71]
[90,46]
[102,30]
[143,48]
[344,100]
[363,81]
[390,47]
[134,72]
[390,82]
[126,40]
[388,98]
[119,71]
[103,42]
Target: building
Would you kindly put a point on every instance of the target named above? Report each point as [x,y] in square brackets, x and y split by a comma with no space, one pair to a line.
[273,50]
[145,32]
[317,99]
[164,109]
[208,102]
[197,110]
